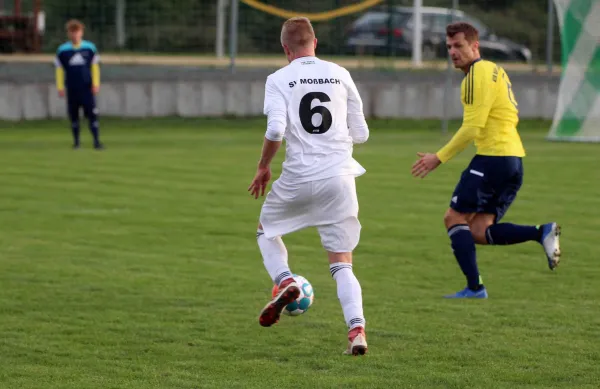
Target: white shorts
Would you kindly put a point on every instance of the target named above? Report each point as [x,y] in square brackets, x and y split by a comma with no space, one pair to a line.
[331,205]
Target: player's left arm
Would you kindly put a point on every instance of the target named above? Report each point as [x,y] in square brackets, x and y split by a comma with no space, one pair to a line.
[357,124]
[96,71]
[276,111]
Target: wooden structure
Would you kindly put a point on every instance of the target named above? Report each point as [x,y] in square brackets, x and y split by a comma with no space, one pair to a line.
[19,31]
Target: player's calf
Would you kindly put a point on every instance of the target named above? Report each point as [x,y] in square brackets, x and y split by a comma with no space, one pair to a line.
[350,296]
[463,246]
[75,131]
[547,235]
[340,240]
[485,231]
[349,293]
[91,113]
[508,234]
[95,130]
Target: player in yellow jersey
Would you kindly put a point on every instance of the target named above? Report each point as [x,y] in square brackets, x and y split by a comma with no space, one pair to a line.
[490,183]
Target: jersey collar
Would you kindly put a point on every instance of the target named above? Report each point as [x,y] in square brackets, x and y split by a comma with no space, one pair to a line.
[471,65]
[309,57]
[474,62]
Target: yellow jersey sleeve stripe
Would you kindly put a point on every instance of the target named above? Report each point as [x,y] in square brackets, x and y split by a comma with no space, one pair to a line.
[466,91]
[469,85]
[472,83]
[468,96]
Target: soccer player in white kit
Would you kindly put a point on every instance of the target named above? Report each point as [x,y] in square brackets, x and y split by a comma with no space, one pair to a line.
[316,107]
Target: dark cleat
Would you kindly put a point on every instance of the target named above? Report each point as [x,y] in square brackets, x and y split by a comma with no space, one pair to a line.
[272,311]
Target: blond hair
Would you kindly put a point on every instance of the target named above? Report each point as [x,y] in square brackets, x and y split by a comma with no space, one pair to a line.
[297,32]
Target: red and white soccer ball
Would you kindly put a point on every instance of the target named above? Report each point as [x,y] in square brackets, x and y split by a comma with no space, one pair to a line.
[303,302]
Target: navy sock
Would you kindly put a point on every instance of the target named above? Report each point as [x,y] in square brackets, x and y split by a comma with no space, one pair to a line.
[464,251]
[507,233]
[95,131]
[75,131]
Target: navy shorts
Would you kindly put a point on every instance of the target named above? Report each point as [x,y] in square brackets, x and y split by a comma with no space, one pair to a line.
[488,185]
[81,99]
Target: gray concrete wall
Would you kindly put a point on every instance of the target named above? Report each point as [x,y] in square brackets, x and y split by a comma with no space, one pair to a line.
[417,97]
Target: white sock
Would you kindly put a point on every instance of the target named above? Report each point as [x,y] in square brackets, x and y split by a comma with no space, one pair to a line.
[275,257]
[349,293]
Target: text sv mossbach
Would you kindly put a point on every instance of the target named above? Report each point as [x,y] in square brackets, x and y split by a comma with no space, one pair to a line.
[313,81]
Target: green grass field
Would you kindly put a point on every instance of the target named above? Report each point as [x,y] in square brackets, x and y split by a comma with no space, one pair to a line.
[137,267]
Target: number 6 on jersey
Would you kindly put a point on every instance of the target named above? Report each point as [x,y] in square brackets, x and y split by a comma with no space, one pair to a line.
[307,113]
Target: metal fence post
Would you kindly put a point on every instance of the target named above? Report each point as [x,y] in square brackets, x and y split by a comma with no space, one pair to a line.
[233,31]
[417,43]
[221,26]
[390,27]
[550,36]
[449,69]
[120,23]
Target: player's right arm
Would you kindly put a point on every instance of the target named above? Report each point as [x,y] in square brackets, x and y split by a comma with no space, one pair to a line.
[59,74]
[463,137]
[357,124]
[477,98]
[276,110]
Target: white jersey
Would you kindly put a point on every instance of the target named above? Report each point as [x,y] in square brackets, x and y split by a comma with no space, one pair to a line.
[315,106]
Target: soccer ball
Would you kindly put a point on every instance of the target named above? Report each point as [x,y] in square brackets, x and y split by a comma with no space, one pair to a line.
[303,302]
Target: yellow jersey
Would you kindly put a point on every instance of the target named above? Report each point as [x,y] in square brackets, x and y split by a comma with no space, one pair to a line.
[490,113]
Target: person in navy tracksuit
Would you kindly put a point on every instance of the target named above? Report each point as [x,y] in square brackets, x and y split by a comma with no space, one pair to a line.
[78,77]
